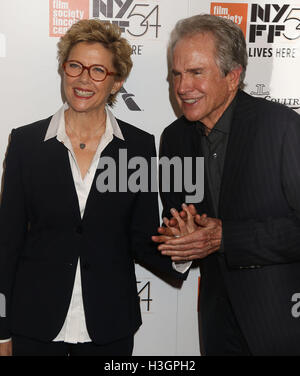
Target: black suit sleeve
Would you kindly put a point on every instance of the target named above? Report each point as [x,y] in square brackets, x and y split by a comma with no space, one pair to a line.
[274,240]
[144,223]
[13,227]
[172,198]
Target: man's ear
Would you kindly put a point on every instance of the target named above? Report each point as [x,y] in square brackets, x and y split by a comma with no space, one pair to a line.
[233,78]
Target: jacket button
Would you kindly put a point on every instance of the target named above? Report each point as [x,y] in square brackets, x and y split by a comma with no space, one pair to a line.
[79,229]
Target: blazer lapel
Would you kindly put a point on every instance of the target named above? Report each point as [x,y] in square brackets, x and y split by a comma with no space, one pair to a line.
[56,158]
[111,150]
[242,133]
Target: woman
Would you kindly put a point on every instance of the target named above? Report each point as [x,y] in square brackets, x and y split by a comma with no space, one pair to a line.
[66,250]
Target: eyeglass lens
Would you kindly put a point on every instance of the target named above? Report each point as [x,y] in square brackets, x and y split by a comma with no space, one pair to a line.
[96,72]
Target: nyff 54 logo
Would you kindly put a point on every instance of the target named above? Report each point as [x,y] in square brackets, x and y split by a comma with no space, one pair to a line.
[270,21]
[135,18]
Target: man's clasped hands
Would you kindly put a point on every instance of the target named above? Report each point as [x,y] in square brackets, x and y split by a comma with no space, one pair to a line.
[188,236]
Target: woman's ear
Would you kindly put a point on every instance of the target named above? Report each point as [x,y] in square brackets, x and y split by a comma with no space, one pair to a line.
[116,87]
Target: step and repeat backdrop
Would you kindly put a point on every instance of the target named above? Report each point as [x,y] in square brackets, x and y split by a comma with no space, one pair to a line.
[31,89]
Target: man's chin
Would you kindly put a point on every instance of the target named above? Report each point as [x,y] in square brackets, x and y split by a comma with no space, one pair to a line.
[191,117]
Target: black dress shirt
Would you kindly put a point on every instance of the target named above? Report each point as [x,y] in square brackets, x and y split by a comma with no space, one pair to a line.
[214,149]
[214,145]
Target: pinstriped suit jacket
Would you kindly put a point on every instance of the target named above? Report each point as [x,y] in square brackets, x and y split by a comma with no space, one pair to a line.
[259,206]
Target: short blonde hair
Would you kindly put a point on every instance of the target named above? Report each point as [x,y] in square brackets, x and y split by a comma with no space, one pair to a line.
[104,32]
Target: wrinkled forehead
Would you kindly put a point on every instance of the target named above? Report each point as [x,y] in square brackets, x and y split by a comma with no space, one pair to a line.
[196,47]
[197,40]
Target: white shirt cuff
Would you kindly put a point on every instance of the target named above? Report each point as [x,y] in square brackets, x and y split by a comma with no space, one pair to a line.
[5,340]
[181,266]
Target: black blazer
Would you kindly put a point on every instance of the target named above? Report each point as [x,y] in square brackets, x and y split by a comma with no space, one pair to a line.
[42,236]
[261,224]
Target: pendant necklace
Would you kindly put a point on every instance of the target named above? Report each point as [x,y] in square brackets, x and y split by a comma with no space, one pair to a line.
[82,145]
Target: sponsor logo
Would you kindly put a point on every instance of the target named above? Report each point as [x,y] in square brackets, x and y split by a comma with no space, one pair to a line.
[293,103]
[2,45]
[64,13]
[236,12]
[136,18]
[272,22]
[128,100]
[260,90]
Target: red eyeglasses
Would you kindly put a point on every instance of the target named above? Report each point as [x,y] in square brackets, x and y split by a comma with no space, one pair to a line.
[97,72]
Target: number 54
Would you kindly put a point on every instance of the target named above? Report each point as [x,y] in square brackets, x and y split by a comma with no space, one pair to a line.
[144,23]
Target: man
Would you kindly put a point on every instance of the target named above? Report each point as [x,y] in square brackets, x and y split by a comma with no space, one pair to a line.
[249,242]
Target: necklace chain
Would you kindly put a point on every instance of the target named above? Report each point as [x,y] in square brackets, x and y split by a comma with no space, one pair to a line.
[82,145]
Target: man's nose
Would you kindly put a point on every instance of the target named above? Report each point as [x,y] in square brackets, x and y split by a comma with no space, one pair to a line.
[185,83]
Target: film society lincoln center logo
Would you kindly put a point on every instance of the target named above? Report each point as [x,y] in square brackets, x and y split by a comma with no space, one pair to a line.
[64,13]
[236,12]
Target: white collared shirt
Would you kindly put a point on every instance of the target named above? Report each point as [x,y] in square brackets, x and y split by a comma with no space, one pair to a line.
[74,329]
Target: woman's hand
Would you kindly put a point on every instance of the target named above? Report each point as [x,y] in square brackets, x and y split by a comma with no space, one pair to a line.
[184,226]
[180,224]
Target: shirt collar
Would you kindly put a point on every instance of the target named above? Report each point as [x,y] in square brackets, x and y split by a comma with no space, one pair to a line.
[224,123]
[57,128]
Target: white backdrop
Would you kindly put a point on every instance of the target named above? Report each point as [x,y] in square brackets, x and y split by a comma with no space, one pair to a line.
[30,90]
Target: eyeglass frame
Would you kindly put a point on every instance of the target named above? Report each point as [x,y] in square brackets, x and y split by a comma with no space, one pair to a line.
[88,69]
